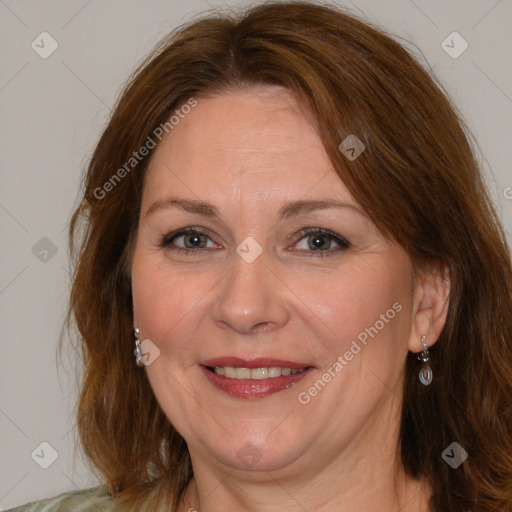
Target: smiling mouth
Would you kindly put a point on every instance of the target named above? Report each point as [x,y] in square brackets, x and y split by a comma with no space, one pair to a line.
[269,372]
[253,379]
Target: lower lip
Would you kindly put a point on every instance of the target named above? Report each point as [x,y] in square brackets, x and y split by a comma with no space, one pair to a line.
[252,388]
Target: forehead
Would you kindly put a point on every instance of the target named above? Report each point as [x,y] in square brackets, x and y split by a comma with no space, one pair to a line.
[255,139]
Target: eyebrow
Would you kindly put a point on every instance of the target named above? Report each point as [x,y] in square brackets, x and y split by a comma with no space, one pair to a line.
[291,209]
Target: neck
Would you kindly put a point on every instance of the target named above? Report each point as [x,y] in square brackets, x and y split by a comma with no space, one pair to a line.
[271,494]
[375,482]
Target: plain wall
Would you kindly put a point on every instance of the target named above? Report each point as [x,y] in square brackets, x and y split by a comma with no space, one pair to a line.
[53,111]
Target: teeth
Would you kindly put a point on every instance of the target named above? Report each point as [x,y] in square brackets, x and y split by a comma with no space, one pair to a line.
[229,372]
[274,371]
[256,373]
[232,372]
[242,373]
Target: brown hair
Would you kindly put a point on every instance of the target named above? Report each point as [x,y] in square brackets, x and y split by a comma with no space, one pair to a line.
[418,180]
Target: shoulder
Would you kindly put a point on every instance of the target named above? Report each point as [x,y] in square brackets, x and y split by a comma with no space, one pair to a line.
[95,499]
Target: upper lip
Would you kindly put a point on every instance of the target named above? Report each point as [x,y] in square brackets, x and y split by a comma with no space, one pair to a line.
[260,362]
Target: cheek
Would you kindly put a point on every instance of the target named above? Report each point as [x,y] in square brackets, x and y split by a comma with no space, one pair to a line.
[166,300]
[367,310]
[362,300]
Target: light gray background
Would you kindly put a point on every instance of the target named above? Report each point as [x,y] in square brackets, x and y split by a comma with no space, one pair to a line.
[53,111]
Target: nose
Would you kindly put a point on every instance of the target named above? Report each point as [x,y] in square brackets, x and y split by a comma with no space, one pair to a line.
[251,298]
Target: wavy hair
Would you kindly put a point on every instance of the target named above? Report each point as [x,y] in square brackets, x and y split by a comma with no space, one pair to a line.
[419,181]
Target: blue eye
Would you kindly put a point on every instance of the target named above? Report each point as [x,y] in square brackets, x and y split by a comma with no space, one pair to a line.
[319,242]
[194,240]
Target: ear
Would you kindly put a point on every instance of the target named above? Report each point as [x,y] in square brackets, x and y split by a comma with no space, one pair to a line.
[430,305]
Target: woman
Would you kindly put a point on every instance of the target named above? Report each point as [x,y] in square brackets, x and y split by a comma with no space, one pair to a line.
[292,288]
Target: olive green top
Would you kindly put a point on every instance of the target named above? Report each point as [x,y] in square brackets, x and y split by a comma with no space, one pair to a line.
[95,499]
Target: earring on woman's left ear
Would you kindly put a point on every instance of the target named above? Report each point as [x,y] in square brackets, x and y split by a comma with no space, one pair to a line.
[425,372]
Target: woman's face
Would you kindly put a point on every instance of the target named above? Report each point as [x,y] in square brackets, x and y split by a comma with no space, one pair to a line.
[309,329]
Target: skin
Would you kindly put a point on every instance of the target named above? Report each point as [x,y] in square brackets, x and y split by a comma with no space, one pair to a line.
[248,153]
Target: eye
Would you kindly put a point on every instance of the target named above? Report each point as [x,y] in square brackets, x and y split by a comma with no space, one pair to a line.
[316,241]
[193,240]
[319,242]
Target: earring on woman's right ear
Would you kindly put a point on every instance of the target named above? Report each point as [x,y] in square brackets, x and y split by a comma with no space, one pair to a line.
[425,372]
[138,349]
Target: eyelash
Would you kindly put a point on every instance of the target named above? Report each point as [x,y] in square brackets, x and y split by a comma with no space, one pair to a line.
[343,243]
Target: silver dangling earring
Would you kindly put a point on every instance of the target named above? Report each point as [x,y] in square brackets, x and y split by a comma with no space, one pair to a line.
[138,350]
[426,371]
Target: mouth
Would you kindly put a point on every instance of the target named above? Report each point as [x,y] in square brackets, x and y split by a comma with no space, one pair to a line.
[270,372]
[255,378]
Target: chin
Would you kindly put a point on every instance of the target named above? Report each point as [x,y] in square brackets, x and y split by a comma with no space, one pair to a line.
[255,449]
